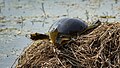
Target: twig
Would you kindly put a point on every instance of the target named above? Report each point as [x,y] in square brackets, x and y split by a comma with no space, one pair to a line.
[43,9]
[67,12]
[45,15]
[74,54]
[73,59]
[14,62]
[59,61]
[103,35]
[70,62]
[87,15]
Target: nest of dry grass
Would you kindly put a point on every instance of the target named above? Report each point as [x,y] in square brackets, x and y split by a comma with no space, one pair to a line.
[97,49]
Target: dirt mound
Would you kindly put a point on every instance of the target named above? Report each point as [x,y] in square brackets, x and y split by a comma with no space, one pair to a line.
[98,49]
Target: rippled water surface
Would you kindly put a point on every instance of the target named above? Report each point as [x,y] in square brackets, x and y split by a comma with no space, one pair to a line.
[19,18]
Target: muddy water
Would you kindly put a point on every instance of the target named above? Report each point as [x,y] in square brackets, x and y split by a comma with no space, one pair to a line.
[19,18]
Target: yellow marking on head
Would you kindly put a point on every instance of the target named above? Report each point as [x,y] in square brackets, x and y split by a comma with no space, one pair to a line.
[53,36]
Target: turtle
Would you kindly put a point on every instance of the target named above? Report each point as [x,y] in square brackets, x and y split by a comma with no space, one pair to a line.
[65,29]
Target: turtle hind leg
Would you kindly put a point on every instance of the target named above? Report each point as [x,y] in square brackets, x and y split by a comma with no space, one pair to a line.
[91,27]
[96,24]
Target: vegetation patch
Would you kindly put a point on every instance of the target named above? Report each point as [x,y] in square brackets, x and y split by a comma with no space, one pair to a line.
[97,49]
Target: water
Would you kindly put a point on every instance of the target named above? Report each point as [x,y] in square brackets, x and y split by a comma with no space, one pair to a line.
[21,17]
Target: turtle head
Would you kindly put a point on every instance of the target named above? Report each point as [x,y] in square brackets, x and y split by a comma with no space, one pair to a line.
[38,36]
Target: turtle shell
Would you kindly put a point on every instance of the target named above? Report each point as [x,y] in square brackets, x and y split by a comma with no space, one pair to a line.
[69,26]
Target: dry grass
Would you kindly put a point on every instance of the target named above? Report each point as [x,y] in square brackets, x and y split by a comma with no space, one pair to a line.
[98,49]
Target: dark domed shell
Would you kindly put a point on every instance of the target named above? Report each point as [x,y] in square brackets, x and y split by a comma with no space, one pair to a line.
[71,25]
